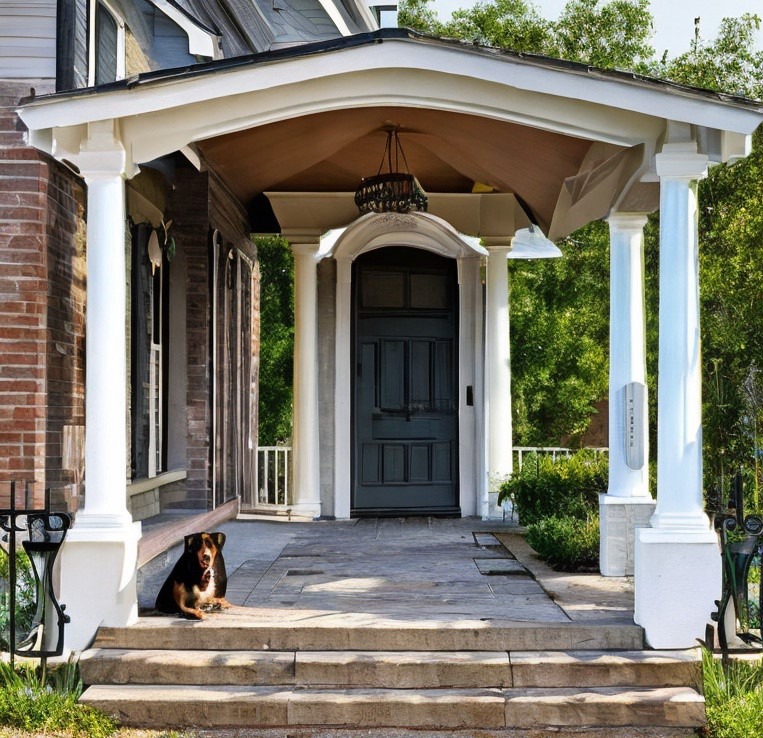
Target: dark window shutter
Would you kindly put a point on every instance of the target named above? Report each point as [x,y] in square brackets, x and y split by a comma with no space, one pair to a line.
[106,32]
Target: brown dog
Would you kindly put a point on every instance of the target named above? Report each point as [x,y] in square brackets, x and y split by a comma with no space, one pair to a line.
[198,579]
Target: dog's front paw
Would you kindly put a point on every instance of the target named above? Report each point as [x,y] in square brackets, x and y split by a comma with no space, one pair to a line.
[194,614]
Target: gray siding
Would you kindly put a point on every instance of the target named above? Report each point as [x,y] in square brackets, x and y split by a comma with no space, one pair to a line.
[168,43]
[28,39]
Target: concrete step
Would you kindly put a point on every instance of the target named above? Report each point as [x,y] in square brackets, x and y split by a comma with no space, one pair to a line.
[246,706]
[406,669]
[236,629]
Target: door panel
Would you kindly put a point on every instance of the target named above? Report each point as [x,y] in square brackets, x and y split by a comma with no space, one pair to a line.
[404,402]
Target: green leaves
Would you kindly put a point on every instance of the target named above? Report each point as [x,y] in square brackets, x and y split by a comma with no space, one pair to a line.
[560,338]
[277,340]
[612,34]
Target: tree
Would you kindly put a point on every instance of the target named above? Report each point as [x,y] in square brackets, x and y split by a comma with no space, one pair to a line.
[614,34]
[510,24]
[276,339]
[730,64]
[560,338]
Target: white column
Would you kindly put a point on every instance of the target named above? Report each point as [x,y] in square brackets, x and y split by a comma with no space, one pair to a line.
[678,566]
[497,365]
[627,504]
[342,390]
[305,440]
[98,560]
[471,453]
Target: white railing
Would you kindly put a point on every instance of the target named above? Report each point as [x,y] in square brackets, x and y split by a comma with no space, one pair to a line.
[553,451]
[273,481]
[274,471]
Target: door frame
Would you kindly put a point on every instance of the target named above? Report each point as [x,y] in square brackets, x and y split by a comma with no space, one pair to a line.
[428,232]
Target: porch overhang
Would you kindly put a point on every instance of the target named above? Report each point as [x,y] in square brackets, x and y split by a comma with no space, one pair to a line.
[568,141]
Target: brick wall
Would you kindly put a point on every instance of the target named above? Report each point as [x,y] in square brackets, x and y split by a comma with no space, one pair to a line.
[41,304]
[190,227]
[200,204]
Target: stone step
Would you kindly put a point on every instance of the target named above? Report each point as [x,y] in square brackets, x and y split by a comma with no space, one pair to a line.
[420,669]
[246,706]
[236,630]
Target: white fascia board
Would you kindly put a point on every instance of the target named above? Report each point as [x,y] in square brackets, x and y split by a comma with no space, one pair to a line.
[513,83]
[201,41]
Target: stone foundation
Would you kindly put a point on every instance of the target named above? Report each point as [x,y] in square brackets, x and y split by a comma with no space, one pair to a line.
[619,518]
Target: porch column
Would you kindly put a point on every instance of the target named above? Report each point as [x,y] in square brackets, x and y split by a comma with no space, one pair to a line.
[678,565]
[497,370]
[627,504]
[98,559]
[305,439]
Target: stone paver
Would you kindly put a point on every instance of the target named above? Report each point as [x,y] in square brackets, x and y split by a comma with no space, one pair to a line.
[385,569]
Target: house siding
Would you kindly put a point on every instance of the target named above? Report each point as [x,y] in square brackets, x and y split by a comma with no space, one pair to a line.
[28,39]
[42,268]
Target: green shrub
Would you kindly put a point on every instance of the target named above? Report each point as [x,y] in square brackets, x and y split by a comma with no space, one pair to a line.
[26,597]
[566,543]
[733,697]
[568,486]
[34,700]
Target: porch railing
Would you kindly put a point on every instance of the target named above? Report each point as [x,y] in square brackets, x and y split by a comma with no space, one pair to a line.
[273,481]
[274,471]
[554,452]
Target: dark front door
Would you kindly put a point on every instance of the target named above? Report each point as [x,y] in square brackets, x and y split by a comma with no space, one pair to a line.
[405,384]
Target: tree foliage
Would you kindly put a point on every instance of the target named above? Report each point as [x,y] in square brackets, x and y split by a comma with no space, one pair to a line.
[613,34]
[560,338]
[729,63]
[276,339]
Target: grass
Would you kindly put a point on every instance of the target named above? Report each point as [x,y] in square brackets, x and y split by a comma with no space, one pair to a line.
[733,698]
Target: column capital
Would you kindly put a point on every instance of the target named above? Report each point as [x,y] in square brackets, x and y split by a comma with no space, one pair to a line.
[497,244]
[303,240]
[681,161]
[620,221]
[101,154]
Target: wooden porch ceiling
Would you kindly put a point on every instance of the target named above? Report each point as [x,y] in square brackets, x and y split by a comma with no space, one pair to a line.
[448,152]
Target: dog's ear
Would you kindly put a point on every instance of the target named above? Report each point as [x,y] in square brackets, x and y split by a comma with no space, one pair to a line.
[191,542]
[219,539]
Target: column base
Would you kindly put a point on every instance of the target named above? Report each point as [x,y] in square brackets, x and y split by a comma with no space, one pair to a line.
[619,517]
[98,580]
[307,510]
[677,581]
[496,511]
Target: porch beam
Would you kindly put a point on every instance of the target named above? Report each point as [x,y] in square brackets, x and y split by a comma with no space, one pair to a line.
[305,440]
[678,563]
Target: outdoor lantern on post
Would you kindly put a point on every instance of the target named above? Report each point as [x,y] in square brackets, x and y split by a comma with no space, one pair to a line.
[39,634]
[394,191]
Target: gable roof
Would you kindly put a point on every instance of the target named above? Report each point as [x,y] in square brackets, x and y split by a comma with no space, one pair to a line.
[567,139]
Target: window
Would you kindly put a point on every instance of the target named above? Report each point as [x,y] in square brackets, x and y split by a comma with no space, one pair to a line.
[149,374]
[107,44]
